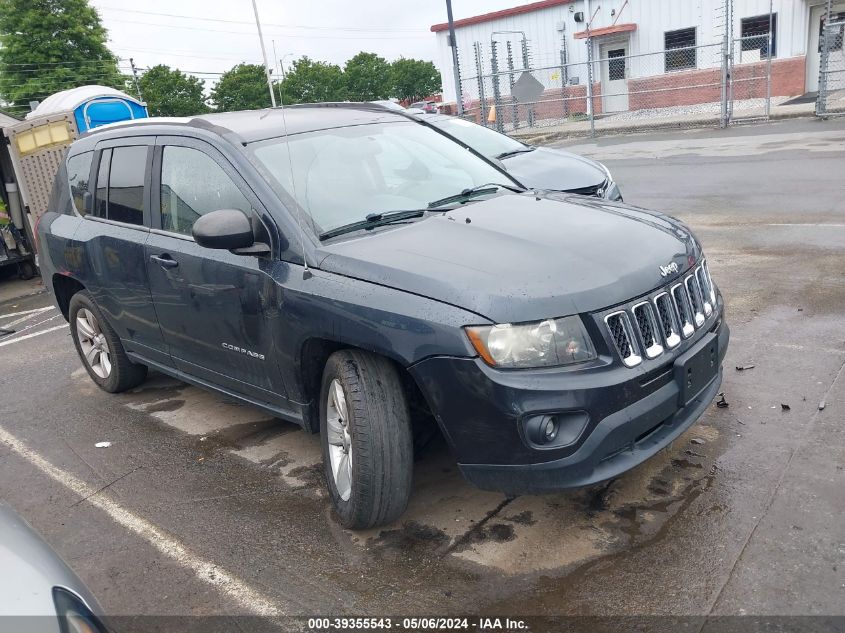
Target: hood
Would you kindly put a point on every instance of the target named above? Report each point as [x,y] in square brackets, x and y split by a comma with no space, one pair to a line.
[554,169]
[519,258]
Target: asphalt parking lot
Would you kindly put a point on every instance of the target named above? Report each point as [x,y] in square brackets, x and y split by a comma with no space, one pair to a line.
[202,506]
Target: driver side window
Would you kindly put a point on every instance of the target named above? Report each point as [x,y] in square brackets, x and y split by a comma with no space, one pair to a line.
[193,184]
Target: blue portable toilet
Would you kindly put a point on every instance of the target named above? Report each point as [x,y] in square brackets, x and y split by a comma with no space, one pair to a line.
[92,106]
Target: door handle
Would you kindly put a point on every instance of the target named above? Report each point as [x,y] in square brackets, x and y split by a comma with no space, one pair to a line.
[165,261]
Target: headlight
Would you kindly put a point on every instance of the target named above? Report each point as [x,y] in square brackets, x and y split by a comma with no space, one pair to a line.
[544,344]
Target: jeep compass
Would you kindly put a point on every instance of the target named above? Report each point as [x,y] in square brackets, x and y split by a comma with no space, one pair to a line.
[353,270]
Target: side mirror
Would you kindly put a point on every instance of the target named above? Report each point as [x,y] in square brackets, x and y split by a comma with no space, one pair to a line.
[228,229]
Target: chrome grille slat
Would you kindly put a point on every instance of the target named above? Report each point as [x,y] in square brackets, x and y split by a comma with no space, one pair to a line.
[647,326]
[658,323]
[682,305]
[694,294]
[703,285]
[623,338]
[668,318]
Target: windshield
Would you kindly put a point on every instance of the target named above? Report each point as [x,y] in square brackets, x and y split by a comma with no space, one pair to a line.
[341,175]
[483,140]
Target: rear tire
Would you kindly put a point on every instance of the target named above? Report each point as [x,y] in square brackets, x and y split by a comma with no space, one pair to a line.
[100,348]
[366,436]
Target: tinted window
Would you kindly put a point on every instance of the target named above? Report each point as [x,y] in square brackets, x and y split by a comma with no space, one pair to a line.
[126,184]
[78,174]
[193,184]
[102,204]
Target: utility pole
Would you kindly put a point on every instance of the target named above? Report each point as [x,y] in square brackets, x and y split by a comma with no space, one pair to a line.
[264,55]
[456,69]
[135,79]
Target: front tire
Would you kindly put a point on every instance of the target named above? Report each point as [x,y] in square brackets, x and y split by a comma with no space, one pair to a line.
[100,348]
[365,430]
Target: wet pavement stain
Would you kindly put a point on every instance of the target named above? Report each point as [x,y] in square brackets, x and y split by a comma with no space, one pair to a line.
[411,539]
[165,405]
[523,518]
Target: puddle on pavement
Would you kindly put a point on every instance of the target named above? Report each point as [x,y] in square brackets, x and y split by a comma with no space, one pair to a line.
[447,518]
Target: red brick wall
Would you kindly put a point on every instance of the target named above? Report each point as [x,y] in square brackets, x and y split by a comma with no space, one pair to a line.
[704,86]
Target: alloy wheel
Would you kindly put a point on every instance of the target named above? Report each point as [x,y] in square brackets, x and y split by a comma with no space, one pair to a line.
[92,342]
[339,439]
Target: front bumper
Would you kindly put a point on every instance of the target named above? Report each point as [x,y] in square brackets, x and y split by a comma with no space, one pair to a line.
[633,414]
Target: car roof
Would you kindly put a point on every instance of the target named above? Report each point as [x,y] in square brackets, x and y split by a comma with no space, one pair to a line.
[256,125]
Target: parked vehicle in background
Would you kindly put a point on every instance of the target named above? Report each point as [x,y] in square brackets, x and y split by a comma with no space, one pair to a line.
[428,107]
[543,168]
[390,105]
[359,273]
[35,581]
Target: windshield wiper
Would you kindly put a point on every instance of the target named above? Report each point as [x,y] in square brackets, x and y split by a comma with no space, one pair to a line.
[372,220]
[478,190]
[514,152]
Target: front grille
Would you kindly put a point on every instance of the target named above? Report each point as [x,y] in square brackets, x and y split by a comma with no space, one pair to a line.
[660,322]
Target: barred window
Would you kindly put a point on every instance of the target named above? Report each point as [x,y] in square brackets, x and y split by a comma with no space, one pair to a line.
[755,34]
[680,49]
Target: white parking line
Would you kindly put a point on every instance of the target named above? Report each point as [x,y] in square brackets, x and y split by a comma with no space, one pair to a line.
[35,311]
[227,583]
[24,319]
[18,339]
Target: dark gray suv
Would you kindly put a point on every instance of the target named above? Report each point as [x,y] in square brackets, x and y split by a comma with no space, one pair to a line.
[360,273]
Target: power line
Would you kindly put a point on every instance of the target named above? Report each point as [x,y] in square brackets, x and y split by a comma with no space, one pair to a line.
[386,29]
[288,35]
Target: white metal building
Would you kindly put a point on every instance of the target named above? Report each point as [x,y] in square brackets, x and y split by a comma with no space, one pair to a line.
[630,28]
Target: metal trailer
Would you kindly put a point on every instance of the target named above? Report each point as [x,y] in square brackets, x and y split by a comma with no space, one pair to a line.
[37,145]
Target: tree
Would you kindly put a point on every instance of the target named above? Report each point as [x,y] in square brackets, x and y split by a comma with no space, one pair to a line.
[313,82]
[367,77]
[52,45]
[243,87]
[170,92]
[414,79]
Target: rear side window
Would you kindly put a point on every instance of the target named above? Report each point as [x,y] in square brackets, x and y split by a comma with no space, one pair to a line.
[193,184]
[120,184]
[126,184]
[78,174]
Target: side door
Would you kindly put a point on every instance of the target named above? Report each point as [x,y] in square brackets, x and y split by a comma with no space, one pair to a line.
[109,244]
[216,309]
[614,82]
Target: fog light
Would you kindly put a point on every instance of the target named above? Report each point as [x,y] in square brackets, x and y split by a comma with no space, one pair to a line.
[549,429]
[553,430]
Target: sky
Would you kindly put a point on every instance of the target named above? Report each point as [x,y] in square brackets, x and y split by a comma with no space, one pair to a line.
[207,37]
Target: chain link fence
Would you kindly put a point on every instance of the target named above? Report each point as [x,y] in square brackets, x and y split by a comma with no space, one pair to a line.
[686,85]
[831,97]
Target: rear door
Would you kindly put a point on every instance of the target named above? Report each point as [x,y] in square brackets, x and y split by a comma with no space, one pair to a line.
[215,308]
[109,244]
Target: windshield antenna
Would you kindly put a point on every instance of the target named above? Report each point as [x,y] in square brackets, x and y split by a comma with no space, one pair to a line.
[306,273]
